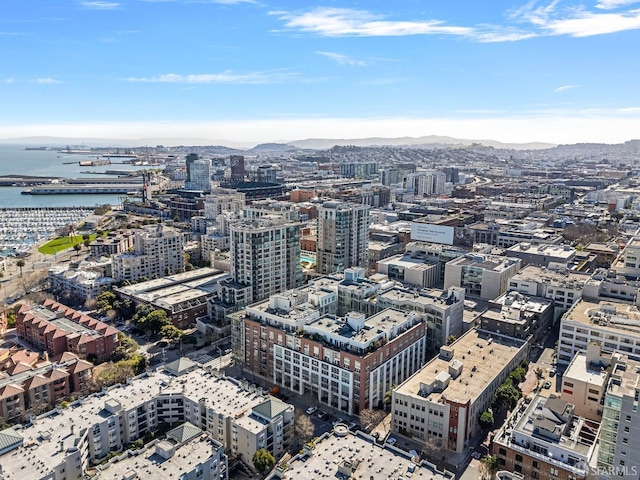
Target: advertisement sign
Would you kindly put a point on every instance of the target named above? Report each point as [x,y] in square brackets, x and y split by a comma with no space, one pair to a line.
[426,232]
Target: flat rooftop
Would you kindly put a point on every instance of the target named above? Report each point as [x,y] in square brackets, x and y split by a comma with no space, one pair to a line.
[486,262]
[386,322]
[562,251]
[625,378]
[556,278]
[361,456]
[408,262]
[479,352]
[580,370]
[605,315]
[149,464]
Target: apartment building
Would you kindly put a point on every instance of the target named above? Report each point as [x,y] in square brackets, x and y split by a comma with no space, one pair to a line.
[444,399]
[546,440]
[518,316]
[482,275]
[56,328]
[441,310]
[347,363]
[66,442]
[620,429]
[562,286]
[86,284]
[344,454]
[30,391]
[615,325]
[265,255]
[424,183]
[187,453]
[628,263]
[158,251]
[115,242]
[343,232]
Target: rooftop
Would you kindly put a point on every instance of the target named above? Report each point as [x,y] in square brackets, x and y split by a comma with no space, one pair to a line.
[473,351]
[580,370]
[625,379]
[605,315]
[151,464]
[486,262]
[340,453]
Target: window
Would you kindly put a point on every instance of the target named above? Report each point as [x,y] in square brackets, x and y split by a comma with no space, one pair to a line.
[518,458]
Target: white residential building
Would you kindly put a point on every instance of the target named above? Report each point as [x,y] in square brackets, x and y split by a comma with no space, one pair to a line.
[158,251]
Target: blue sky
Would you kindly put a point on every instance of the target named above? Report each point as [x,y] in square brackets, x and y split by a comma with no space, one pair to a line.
[251,71]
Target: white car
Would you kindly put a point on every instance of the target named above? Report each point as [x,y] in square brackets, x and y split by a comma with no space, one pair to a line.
[337,421]
[311,410]
[391,441]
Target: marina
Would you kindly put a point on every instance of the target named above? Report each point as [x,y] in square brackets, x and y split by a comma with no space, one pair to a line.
[21,228]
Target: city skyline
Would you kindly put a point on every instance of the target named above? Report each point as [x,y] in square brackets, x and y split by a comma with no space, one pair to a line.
[256,71]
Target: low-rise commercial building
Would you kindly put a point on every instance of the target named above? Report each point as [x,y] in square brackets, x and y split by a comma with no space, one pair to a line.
[445,398]
[184,296]
[584,382]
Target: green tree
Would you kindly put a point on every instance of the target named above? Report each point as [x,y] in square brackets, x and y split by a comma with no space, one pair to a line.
[77,248]
[518,375]
[486,419]
[506,396]
[156,320]
[451,339]
[127,347]
[386,401]
[105,300]
[263,460]
[171,333]
[539,374]
[20,264]
[489,466]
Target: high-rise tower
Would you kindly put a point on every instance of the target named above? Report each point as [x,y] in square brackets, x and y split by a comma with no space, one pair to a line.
[343,230]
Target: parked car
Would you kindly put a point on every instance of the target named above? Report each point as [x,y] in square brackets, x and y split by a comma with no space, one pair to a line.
[337,421]
[552,372]
[547,384]
[311,410]
[323,415]
[391,441]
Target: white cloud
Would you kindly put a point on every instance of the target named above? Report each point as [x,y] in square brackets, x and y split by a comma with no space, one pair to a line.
[530,20]
[586,24]
[98,5]
[345,22]
[343,59]
[222,77]
[563,88]
[613,4]
[47,81]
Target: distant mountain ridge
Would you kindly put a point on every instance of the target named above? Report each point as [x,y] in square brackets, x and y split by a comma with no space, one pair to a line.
[427,141]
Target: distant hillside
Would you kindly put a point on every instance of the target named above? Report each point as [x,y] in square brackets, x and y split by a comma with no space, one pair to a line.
[273,147]
[429,141]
